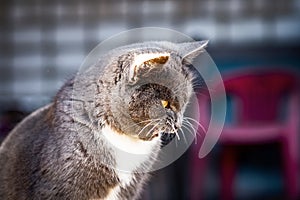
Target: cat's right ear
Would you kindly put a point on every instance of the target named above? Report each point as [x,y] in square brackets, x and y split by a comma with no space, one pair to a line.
[190,50]
[143,63]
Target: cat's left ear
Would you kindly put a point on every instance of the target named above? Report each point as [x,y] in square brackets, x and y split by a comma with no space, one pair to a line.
[190,50]
[143,63]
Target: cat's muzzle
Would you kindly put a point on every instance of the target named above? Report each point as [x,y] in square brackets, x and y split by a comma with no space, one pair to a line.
[166,138]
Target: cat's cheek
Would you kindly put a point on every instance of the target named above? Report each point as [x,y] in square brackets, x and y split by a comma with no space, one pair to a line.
[156,112]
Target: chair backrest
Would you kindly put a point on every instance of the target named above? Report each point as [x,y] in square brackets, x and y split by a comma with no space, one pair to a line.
[259,94]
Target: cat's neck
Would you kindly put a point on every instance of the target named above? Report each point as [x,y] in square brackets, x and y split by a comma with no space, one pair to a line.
[131,153]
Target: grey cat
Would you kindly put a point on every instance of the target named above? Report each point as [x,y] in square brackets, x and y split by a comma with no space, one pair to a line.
[79,146]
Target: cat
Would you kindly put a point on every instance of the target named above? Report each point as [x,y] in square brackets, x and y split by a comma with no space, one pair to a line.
[79,146]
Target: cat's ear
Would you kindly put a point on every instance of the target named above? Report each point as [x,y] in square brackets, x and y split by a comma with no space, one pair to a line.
[143,63]
[190,50]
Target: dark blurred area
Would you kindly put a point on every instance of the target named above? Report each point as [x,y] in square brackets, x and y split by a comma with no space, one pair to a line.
[42,43]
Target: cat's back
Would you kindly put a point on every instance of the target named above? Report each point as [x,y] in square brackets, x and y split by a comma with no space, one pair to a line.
[18,149]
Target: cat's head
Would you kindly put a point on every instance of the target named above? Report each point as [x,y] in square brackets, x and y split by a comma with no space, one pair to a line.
[147,87]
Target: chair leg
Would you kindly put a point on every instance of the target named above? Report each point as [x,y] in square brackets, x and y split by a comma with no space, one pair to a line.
[290,172]
[196,174]
[228,168]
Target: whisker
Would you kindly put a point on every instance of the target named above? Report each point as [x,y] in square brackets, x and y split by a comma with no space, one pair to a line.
[196,132]
[201,126]
[144,128]
[191,132]
[176,133]
[183,135]
[148,120]
[153,128]
[147,126]
[190,125]
[176,144]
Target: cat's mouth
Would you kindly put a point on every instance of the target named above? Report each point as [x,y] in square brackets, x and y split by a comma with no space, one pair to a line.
[160,132]
[163,127]
[166,138]
[169,130]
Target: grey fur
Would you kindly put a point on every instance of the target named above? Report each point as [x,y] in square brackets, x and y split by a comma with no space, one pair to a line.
[58,152]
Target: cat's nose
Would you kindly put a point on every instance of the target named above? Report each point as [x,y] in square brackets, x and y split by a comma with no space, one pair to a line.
[178,124]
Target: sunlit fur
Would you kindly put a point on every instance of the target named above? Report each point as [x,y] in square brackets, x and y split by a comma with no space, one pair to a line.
[80,146]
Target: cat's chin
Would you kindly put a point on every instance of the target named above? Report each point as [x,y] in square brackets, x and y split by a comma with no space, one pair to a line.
[166,138]
[151,137]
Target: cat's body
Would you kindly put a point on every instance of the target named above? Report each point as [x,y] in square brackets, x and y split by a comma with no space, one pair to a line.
[78,147]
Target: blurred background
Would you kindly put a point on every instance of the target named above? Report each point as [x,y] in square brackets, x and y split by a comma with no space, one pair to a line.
[43,43]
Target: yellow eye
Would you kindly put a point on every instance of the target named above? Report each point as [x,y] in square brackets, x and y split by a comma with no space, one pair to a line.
[165,104]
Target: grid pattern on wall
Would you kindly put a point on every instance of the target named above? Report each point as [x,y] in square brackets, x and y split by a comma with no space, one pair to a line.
[43,43]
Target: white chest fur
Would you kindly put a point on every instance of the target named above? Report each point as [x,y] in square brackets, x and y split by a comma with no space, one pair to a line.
[130,153]
[129,144]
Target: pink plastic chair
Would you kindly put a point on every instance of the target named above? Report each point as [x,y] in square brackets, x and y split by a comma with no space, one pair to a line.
[258,96]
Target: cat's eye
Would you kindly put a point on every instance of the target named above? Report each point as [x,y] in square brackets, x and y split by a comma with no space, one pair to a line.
[165,104]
